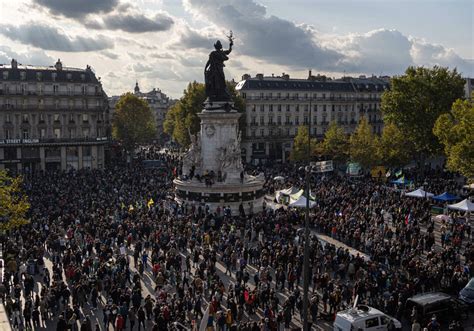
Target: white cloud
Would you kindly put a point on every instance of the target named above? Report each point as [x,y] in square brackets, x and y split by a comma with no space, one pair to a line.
[110,55]
[48,37]
[379,51]
[266,37]
[424,53]
[30,56]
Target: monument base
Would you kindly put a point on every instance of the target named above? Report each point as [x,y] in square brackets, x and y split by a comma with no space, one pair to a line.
[248,193]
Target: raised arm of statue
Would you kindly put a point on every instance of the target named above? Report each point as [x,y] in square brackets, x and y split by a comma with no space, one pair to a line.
[231,42]
[227,52]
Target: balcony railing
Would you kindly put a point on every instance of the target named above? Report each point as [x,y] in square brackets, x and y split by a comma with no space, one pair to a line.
[293,98]
[52,93]
[50,108]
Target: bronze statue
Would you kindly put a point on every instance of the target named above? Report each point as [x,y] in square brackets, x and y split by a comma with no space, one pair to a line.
[216,88]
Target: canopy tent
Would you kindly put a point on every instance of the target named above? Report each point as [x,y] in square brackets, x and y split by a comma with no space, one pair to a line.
[445,197]
[301,203]
[464,205]
[419,194]
[297,195]
[287,192]
[443,217]
[401,181]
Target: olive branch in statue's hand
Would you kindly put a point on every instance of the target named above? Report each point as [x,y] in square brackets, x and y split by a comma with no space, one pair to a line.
[231,38]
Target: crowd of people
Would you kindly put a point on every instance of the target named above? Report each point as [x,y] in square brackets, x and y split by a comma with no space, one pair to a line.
[109,249]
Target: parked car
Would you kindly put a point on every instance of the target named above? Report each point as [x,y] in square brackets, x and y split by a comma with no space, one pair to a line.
[364,318]
[442,305]
[467,293]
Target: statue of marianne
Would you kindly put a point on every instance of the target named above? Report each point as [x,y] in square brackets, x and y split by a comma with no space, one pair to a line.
[216,88]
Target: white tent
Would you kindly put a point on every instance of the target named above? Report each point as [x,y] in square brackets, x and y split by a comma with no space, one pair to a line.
[287,192]
[294,197]
[419,194]
[464,205]
[301,203]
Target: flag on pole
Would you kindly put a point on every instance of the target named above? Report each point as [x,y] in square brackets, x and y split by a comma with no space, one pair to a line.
[150,203]
[204,320]
[408,218]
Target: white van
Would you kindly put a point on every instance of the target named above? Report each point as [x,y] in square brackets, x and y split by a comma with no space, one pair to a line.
[364,318]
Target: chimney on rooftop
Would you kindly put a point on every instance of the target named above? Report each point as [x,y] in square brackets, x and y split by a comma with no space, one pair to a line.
[245,76]
[260,76]
[285,76]
[14,64]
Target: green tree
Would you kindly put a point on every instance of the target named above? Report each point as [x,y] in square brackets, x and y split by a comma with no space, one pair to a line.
[13,202]
[416,100]
[335,144]
[299,151]
[455,130]
[182,116]
[363,145]
[133,122]
[393,149]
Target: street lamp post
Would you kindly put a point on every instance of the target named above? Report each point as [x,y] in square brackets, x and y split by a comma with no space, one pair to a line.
[306,230]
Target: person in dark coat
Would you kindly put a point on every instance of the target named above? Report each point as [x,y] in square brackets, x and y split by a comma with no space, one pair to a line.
[62,325]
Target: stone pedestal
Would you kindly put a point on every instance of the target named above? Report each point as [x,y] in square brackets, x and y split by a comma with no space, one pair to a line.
[215,153]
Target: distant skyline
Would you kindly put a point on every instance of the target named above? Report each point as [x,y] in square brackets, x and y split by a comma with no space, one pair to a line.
[165,43]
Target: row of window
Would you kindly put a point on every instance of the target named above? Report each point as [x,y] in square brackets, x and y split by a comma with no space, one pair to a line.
[55,89]
[289,119]
[57,104]
[290,132]
[39,75]
[56,118]
[315,108]
[57,133]
[316,96]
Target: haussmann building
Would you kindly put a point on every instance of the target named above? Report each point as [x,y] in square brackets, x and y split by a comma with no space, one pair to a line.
[52,118]
[276,106]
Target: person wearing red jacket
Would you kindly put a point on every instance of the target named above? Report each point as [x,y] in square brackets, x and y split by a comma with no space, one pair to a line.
[119,323]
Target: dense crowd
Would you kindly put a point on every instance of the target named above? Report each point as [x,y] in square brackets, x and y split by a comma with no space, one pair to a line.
[109,248]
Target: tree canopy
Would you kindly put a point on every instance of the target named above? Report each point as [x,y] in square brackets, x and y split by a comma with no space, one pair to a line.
[13,202]
[299,152]
[455,130]
[182,116]
[335,144]
[393,148]
[133,122]
[416,100]
[363,145]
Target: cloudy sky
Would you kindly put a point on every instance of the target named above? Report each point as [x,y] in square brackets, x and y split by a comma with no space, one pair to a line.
[165,43]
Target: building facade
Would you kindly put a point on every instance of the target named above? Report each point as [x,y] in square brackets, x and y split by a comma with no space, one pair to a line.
[159,104]
[52,118]
[277,105]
